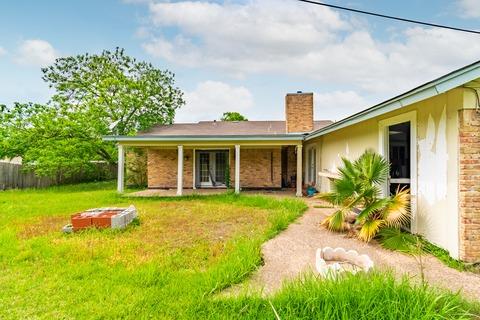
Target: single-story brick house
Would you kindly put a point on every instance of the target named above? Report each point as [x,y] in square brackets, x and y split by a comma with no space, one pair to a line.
[430,134]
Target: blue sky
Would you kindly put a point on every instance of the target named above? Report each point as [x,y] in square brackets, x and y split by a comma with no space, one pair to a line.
[244,55]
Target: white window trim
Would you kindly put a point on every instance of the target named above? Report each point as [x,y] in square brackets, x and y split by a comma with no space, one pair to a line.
[309,176]
[383,150]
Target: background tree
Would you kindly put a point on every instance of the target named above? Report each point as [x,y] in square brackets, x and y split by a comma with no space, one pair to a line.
[95,95]
[233,116]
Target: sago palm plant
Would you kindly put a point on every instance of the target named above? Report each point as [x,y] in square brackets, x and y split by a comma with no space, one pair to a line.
[358,190]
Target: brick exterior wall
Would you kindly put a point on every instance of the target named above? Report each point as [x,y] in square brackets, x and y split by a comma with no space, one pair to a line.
[260,168]
[162,168]
[469,185]
[299,112]
[256,168]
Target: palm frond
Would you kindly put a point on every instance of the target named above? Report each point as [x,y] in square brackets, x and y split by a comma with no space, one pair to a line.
[345,188]
[336,221]
[397,240]
[397,212]
[330,197]
[371,208]
[348,171]
[373,167]
[369,229]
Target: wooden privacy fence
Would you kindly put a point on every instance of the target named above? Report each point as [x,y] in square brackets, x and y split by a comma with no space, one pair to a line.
[12,176]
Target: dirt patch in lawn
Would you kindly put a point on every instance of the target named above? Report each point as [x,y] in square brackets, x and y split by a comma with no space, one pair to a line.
[42,226]
[169,232]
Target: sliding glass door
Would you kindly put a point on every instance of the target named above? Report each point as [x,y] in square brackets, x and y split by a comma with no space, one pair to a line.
[211,168]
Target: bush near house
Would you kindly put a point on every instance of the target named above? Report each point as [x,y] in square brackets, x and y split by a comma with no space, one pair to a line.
[136,167]
[358,190]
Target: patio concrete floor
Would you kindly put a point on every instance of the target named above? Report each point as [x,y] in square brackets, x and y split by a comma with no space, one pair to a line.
[173,192]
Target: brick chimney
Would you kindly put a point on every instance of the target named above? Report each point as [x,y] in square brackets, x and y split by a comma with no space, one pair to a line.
[299,112]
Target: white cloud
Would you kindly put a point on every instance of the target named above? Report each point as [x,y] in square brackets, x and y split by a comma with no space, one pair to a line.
[211,99]
[469,8]
[36,52]
[287,38]
[337,105]
[2,51]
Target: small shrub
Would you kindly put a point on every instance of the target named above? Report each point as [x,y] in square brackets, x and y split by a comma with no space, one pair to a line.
[136,167]
[358,189]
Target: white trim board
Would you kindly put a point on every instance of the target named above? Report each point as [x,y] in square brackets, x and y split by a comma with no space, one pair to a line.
[383,150]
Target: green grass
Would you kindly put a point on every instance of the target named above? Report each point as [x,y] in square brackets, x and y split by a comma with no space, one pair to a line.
[398,240]
[361,296]
[172,263]
[182,250]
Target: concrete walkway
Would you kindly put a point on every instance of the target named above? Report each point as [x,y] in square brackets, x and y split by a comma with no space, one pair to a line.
[293,252]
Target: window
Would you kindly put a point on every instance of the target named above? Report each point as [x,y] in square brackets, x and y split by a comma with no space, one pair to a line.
[312,166]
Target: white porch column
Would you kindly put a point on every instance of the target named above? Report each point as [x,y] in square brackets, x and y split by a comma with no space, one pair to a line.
[180,171]
[299,170]
[194,177]
[237,168]
[121,169]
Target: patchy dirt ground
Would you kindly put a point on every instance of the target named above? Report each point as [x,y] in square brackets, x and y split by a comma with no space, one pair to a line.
[293,252]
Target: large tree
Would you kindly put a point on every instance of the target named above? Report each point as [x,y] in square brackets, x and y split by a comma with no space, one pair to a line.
[95,95]
[233,116]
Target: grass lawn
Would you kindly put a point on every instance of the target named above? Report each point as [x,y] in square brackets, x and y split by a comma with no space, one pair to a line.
[173,262]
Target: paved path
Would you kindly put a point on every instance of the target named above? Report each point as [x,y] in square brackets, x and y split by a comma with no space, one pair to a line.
[293,252]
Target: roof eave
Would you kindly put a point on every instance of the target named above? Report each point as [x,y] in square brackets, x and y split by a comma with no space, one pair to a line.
[425,91]
[204,138]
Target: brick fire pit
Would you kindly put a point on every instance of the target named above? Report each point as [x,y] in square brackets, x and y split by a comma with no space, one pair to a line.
[115,218]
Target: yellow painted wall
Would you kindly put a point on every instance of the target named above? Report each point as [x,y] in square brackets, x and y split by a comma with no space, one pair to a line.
[436,216]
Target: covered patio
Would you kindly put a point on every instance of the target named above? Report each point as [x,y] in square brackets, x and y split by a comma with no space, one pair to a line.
[212,165]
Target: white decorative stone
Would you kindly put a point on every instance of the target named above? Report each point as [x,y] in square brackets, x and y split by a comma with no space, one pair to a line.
[351,256]
[328,253]
[329,262]
[363,261]
[339,254]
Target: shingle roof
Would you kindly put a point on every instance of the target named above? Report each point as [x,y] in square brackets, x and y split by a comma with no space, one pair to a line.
[225,128]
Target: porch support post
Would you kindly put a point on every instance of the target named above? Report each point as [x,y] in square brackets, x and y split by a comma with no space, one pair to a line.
[237,168]
[180,171]
[121,169]
[299,170]
[194,171]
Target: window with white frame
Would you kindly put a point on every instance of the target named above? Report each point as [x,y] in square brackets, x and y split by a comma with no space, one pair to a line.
[312,166]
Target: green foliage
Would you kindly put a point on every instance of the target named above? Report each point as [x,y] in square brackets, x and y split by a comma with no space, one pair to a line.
[136,167]
[95,95]
[444,256]
[233,116]
[398,240]
[360,296]
[358,188]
